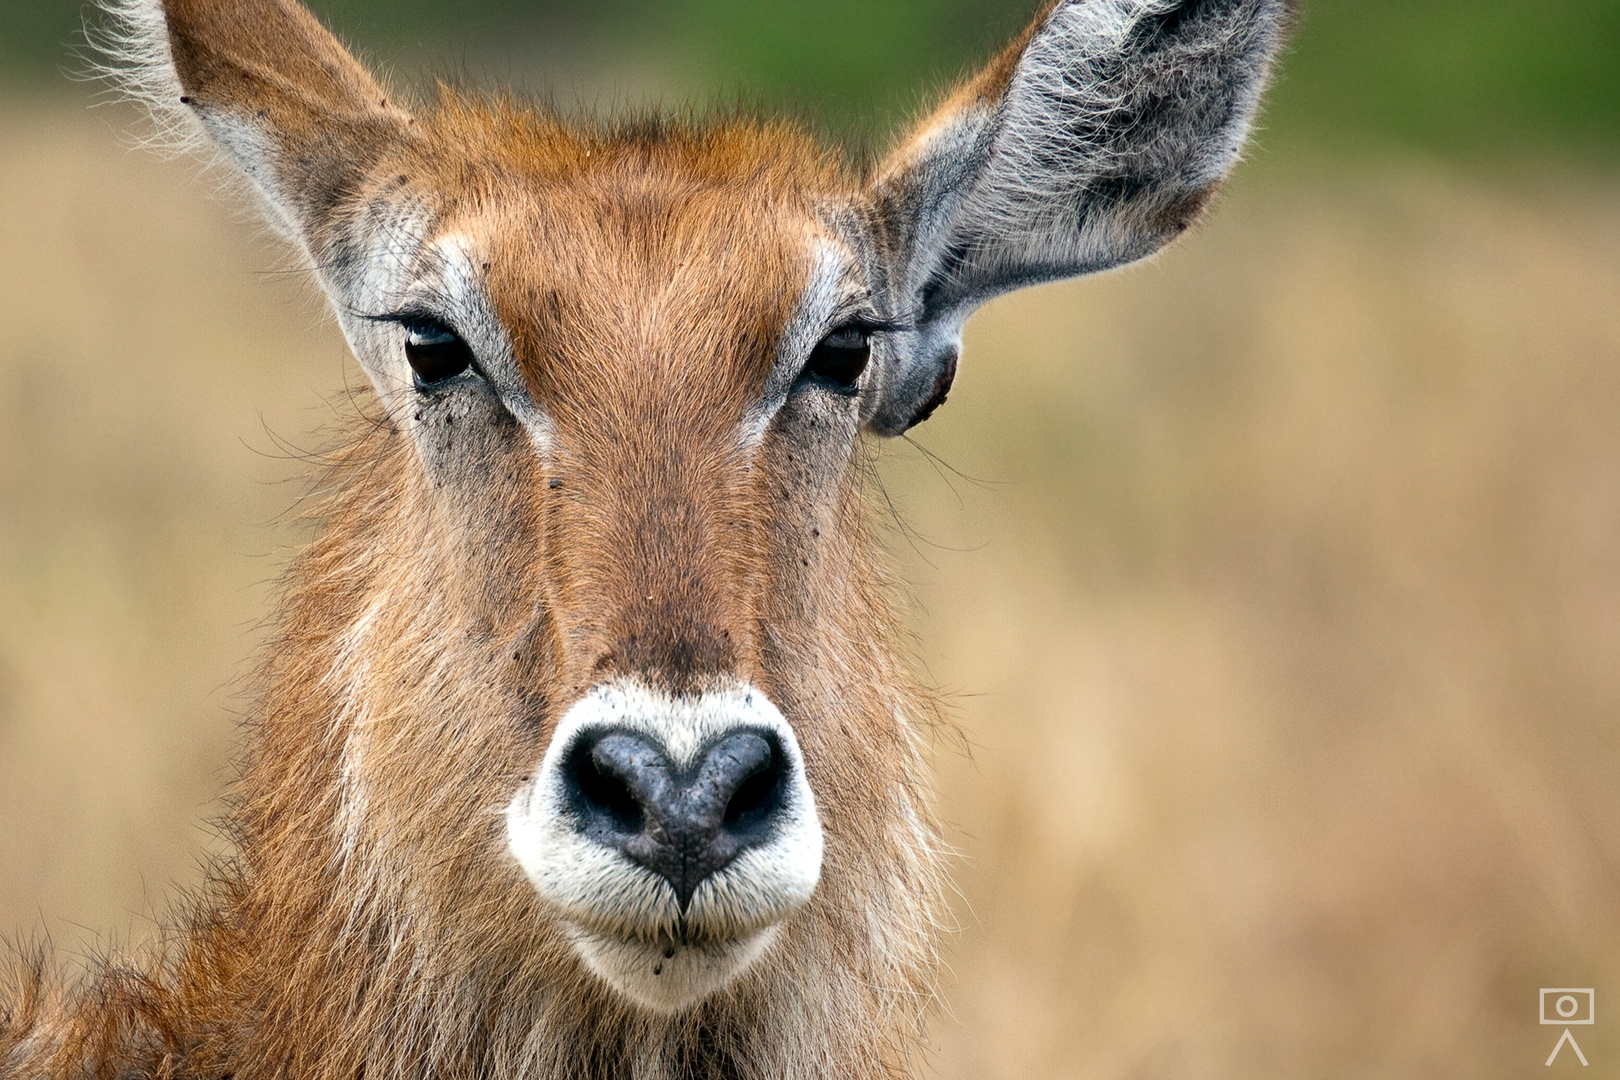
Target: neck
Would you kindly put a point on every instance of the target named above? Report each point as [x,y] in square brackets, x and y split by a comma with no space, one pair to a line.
[376,939]
[358,933]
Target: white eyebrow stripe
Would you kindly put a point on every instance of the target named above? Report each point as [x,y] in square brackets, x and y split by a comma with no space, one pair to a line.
[462,280]
[459,290]
[393,240]
[831,286]
[444,277]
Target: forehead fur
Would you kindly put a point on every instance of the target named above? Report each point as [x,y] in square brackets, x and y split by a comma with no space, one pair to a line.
[664,249]
[734,151]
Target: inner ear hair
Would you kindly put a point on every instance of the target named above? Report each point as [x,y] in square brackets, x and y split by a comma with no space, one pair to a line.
[1096,137]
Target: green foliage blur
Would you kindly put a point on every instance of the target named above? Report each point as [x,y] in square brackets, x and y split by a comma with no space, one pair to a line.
[1490,79]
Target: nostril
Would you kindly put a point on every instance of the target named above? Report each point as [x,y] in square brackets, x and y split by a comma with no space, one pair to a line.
[684,821]
[606,794]
[756,798]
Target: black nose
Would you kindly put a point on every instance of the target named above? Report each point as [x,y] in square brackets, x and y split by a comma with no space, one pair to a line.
[681,824]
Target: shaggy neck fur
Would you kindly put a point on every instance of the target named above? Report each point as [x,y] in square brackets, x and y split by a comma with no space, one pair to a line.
[654,471]
[313,954]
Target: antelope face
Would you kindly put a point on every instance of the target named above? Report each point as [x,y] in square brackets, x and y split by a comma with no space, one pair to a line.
[634,383]
[613,673]
[655,326]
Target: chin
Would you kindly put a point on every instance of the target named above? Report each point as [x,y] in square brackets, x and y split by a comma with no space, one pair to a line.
[670,976]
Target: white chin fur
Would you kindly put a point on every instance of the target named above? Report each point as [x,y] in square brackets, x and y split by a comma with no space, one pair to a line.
[668,977]
[624,917]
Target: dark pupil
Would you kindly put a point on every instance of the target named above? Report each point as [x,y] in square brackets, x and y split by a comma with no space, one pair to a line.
[841,357]
[435,352]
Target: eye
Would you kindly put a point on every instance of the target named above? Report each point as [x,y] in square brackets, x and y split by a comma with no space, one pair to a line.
[435,351]
[841,356]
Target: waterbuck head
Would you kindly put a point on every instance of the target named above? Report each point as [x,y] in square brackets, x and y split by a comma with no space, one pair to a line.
[587,693]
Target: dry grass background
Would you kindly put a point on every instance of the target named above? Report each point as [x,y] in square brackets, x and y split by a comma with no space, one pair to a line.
[1285,631]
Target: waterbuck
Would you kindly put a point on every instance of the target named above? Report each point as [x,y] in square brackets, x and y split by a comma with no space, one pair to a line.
[583,746]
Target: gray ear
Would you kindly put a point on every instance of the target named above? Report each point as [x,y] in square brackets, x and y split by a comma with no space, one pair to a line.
[1094,139]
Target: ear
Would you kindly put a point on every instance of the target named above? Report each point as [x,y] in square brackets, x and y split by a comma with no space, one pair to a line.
[1095,138]
[269,86]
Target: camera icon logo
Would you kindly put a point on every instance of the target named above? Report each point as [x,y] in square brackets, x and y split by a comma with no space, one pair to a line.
[1565,1005]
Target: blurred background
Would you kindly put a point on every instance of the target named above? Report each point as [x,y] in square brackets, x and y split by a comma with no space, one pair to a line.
[1275,584]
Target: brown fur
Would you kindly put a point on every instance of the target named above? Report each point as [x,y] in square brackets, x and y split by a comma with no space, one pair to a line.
[409,943]
[466,590]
